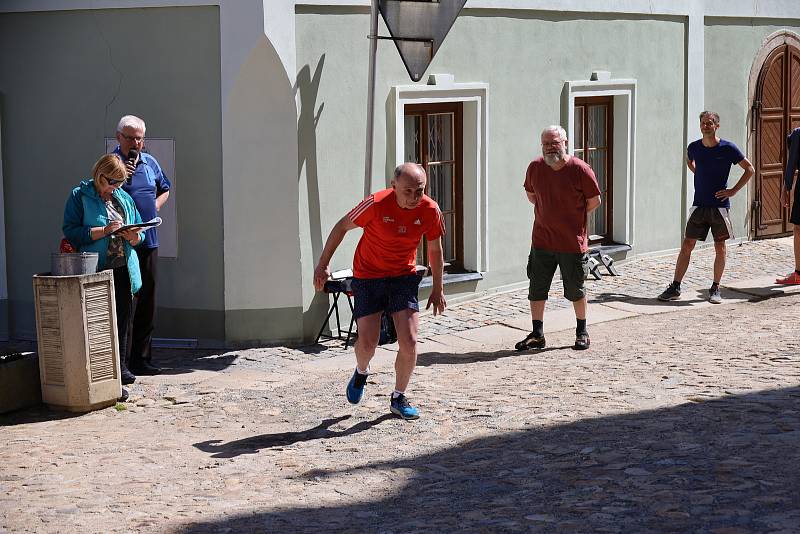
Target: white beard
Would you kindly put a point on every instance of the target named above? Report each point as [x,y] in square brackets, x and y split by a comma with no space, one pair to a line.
[552,159]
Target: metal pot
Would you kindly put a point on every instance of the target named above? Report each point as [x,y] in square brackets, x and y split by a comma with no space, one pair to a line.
[73,263]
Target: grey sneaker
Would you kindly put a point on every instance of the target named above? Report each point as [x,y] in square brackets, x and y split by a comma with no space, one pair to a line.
[673,292]
[713,296]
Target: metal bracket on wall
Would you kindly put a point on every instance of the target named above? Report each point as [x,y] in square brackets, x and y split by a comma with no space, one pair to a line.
[754,115]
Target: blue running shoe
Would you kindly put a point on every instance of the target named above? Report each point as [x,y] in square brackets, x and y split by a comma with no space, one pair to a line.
[355,388]
[401,407]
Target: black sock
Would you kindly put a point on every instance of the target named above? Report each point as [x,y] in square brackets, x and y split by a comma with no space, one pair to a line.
[714,285]
[581,328]
[538,328]
[676,284]
[797,271]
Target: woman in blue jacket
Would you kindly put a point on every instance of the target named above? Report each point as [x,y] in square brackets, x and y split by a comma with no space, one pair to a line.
[94,211]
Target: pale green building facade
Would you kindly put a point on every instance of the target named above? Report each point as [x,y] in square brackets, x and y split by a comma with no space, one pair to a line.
[262,105]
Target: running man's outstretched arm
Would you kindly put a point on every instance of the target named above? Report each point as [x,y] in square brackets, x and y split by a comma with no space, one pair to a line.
[436,261]
[322,272]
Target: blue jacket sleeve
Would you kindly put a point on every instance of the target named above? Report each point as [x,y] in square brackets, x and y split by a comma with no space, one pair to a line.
[73,227]
[793,160]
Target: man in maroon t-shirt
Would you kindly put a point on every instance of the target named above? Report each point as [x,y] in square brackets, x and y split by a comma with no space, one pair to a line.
[563,191]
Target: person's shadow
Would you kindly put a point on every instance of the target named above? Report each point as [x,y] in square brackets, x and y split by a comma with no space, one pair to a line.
[253,444]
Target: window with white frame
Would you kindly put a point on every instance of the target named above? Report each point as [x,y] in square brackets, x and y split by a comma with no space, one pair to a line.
[608,108]
[453,116]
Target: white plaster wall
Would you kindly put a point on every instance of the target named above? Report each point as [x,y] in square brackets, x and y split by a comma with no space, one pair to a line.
[260,195]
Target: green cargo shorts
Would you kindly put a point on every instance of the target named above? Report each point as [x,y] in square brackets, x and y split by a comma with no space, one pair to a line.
[542,265]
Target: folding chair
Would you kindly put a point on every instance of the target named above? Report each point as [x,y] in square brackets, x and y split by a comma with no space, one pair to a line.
[598,257]
[337,288]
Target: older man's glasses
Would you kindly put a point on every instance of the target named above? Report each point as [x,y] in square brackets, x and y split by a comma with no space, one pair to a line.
[132,138]
[111,181]
[552,143]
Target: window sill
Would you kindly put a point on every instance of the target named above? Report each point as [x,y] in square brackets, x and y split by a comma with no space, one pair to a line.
[452,278]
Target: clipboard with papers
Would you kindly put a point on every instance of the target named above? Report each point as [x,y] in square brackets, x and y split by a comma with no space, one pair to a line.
[152,223]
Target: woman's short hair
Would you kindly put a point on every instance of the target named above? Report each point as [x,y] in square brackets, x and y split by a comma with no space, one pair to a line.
[110,166]
[131,121]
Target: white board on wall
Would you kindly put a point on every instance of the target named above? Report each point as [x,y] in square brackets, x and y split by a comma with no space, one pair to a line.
[163,149]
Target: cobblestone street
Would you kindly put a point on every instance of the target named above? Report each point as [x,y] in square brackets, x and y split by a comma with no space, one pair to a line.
[682,417]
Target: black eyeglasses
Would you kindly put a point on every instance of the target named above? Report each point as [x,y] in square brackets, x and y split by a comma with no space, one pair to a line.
[111,181]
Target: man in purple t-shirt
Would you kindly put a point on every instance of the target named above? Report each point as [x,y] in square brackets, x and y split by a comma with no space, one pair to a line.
[710,159]
[563,191]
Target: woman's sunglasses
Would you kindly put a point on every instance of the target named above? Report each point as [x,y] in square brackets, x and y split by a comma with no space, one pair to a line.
[111,181]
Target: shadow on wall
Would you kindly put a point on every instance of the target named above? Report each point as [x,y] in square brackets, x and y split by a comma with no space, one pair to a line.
[726,463]
[391,139]
[307,88]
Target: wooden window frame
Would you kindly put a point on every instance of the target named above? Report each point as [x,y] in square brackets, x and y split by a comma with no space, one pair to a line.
[457,109]
[607,196]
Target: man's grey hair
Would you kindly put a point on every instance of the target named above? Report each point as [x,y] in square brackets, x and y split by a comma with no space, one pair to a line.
[131,121]
[556,128]
[398,171]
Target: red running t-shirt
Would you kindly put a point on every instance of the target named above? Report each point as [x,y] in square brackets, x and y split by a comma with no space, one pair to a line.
[560,209]
[388,247]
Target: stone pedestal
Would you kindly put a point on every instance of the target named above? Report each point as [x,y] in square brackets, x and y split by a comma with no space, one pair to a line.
[76,328]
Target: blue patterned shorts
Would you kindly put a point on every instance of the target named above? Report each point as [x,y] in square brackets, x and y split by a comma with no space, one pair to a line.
[390,295]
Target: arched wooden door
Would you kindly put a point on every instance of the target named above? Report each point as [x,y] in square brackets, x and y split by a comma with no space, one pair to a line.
[777,112]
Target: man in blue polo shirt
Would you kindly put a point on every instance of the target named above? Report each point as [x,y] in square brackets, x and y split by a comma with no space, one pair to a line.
[150,189]
[710,159]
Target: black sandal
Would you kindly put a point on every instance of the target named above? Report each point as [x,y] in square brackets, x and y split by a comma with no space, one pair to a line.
[531,342]
[581,341]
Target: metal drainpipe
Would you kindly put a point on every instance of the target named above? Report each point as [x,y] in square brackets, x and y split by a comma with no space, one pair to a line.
[373,49]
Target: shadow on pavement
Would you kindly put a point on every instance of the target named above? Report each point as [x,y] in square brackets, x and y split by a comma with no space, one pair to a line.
[37,414]
[764,292]
[181,361]
[317,348]
[602,298]
[722,465]
[427,359]
[254,444]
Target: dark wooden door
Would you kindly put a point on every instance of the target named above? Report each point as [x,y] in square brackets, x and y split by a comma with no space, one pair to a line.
[777,112]
[434,139]
[593,143]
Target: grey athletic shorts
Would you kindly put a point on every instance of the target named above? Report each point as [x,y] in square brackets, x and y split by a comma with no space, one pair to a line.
[702,219]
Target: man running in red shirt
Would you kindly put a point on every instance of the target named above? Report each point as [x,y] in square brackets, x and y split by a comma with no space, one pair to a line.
[384,274]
